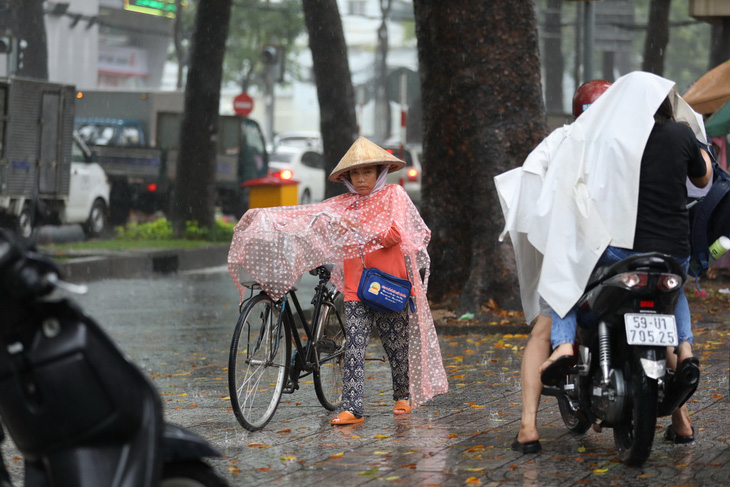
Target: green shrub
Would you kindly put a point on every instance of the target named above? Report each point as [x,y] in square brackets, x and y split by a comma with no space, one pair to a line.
[157,230]
[161,229]
[219,232]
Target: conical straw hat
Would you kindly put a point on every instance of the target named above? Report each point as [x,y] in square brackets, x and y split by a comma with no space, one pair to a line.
[365,153]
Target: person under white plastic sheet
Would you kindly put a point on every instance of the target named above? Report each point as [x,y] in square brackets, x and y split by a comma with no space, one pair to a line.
[577,192]
[586,178]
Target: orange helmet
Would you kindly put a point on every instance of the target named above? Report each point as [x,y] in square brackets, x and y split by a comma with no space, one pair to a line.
[587,93]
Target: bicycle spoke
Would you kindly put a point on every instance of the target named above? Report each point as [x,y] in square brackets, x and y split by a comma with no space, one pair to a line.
[256,373]
[330,356]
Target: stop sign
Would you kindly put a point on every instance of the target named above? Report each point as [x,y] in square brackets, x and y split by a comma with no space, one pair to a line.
[243,105]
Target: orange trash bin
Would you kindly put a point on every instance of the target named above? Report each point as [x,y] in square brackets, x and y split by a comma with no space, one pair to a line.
[271,191]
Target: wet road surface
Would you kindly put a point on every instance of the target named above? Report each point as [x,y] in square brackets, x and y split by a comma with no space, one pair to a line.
[178,330]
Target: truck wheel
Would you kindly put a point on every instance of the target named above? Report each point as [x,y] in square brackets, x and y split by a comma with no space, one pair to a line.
[24,224]
[96,225]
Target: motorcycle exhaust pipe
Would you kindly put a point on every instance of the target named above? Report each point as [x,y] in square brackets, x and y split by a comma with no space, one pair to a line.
[680,387]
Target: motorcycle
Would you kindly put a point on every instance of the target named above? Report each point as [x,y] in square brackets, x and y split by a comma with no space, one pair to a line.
[79,411]
[620,379]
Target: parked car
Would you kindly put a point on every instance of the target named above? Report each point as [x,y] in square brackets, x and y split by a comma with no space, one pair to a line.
[410,176]
[303,165]
[306,139]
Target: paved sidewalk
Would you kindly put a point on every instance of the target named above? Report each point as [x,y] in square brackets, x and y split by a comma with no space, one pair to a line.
[460,438]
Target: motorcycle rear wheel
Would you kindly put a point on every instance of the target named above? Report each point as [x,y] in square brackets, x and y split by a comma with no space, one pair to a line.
[190,474]
[574,419]
[635,434]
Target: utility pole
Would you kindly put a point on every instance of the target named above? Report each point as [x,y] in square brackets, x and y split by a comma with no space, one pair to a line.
[270,58]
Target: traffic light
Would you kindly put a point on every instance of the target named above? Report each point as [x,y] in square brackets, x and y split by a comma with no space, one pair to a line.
[6,44]
[270,55]
[22,45]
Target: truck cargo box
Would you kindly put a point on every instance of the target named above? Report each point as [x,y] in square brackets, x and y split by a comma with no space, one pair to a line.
[36,125]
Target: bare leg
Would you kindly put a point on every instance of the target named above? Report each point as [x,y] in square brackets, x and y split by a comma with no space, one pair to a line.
[536,352]
[681,423]
[562,349]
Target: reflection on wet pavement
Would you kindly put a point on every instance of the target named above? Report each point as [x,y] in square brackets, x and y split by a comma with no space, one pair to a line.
[178,329]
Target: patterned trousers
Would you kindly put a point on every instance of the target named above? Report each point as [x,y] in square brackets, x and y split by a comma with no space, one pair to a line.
[393,328]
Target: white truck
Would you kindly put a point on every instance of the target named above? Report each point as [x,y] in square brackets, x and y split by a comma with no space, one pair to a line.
[47,175]
[135,136]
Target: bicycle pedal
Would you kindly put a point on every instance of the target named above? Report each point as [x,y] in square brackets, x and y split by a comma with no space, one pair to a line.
[325,345]
[290,387]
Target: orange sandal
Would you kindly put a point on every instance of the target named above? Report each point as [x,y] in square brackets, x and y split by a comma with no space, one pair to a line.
[346,417]
[402,407]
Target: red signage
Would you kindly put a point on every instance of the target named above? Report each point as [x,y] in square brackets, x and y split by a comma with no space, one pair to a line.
[243,105]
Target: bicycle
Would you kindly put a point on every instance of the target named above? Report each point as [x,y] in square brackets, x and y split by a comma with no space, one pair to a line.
[261,366]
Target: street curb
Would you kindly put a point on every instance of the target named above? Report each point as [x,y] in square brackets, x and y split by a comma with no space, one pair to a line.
[142,263]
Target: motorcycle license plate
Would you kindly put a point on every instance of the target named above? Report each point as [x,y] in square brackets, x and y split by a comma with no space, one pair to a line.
[650,329]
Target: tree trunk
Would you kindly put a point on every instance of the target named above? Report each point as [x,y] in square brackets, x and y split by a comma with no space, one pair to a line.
[720,42]
[335,93]
[194,194]
[482,114]
[657,37]
[382,100]
[553,52]
[29,29]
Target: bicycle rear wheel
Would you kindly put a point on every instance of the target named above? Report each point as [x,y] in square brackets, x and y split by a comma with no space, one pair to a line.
[330,352]
[257,363]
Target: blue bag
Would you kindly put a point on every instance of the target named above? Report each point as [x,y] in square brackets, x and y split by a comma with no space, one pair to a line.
[384,292]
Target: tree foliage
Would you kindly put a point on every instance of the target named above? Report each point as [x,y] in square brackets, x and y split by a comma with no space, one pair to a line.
[688,50]
[254,24]
[482,114]
[685,56]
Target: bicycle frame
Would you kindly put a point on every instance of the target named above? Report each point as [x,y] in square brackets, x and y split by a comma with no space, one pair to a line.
[304,358]
[262,345]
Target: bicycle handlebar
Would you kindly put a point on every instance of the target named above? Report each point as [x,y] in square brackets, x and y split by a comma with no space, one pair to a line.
[322,271]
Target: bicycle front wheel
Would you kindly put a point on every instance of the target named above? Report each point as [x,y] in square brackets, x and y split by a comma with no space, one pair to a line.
[330,353]
[257,363]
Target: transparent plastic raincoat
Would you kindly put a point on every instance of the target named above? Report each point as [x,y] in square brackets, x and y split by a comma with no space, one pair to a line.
[277,245]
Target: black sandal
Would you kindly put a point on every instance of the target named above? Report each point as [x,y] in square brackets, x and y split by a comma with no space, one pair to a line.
[671,435]
[529,447]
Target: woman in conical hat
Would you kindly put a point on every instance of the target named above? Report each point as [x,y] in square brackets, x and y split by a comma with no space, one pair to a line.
[363,169]
[374,223]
